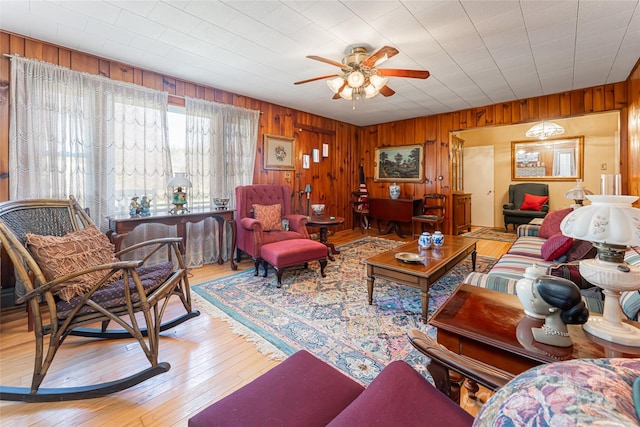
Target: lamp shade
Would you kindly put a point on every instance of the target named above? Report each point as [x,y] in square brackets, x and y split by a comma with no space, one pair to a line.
[307,188]
[335,84]
[608,219]
[180,180]
[544,130]
[578,193]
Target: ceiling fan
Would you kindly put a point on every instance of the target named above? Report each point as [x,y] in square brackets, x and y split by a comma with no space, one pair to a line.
[360,75]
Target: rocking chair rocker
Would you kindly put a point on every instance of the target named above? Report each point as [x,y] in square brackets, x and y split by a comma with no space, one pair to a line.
[113,291]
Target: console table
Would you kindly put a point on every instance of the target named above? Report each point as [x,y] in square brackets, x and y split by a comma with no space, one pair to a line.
[121,225]
[395,211]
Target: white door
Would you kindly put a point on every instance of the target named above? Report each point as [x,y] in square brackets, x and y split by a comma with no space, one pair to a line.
[478,180]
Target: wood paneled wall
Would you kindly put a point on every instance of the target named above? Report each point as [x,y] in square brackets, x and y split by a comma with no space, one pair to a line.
[631,150]
[334,177]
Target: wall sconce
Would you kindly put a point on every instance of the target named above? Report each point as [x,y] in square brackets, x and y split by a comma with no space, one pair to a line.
[307,189]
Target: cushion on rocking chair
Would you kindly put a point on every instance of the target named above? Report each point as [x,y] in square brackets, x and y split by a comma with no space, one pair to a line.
[113,295]
[77,250]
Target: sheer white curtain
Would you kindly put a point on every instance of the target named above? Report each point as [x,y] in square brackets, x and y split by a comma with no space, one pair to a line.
[100,140]
[221,145]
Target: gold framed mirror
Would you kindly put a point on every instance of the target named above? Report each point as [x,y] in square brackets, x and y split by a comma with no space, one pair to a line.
[560,159]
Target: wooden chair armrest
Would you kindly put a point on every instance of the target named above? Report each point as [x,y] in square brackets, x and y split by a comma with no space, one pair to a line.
[160,241]
[481,373]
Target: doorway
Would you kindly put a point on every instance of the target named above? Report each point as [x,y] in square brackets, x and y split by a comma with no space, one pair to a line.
[478,180]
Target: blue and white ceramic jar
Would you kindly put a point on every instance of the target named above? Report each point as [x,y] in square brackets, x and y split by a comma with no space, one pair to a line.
[424,241]
[437,239]
[394,191]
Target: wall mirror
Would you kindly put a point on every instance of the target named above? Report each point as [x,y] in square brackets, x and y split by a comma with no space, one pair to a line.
[560,159]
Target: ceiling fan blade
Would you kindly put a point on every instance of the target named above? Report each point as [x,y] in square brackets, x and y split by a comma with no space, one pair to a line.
[327,61]
[383,53]
[414,74]
[387,91]
[314,79]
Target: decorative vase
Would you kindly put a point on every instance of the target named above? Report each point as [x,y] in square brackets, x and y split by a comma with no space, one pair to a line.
[524,290]
[437,239]
[394,191]
[424,241]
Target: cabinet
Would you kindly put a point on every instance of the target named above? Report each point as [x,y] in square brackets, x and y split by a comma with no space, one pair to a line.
[461,204]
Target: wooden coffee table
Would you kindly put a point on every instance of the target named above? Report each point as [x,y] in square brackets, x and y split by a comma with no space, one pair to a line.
[491,327]
[437,262]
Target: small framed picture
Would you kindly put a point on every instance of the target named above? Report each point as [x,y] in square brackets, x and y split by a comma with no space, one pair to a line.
[325,150]
[316,155]
[305,161]
[279,152]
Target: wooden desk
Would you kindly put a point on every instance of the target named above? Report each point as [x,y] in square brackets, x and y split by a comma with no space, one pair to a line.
[395,211]
[121,225]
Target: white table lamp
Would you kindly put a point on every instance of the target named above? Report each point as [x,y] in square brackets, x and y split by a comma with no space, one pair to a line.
[613,225]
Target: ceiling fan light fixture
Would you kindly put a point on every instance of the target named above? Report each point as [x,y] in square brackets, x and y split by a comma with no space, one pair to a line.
[347,92]
[355,79]
[544,130]
[378,81]
[335,84]
[370,91]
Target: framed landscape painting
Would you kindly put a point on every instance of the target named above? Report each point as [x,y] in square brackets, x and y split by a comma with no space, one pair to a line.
[402,163]
[279,152]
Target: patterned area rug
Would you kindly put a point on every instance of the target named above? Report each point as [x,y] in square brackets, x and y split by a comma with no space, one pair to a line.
[488,233]
[330,317]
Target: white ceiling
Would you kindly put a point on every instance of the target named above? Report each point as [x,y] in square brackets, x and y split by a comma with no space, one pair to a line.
[478,52]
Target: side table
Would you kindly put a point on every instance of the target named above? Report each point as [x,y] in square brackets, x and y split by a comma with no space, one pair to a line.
[491,327]
[324,222]
[121,225]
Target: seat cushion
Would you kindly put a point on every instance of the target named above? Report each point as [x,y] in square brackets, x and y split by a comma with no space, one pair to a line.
[301,391]
[399,396]
[113,294]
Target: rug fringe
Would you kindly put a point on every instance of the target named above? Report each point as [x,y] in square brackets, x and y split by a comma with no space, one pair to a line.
[262,345]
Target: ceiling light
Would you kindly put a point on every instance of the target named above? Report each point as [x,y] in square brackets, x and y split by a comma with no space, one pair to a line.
[377,81]
[335,84]
[355,79]
[370,91]
[346,92]
[544,130]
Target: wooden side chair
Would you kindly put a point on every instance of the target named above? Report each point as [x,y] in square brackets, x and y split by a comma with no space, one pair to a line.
[433,213]
[72,278]
[360,209]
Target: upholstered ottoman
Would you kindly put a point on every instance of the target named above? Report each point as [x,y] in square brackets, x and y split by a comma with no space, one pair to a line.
[288,253]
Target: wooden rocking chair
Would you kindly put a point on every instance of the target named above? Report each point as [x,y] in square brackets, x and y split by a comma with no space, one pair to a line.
[118,291]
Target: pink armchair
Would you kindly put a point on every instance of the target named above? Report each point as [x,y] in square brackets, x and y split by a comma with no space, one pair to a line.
[251,234]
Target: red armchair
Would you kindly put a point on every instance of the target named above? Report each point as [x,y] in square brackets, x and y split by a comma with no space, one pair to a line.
[251,232]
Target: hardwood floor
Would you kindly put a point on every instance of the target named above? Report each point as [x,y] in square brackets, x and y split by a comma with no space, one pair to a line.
[208,361]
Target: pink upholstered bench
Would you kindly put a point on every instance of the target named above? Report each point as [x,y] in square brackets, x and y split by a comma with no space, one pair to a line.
[288,253]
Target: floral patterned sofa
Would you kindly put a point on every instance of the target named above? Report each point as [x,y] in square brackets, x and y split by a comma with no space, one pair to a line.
[537,242]
[579,392]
